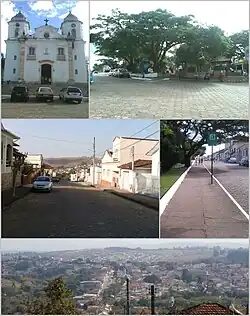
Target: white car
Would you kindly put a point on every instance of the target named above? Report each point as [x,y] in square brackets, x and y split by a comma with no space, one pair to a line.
[71,94]
[44,93]
[43,183]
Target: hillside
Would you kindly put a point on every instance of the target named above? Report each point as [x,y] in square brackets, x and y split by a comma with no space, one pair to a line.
[70,161]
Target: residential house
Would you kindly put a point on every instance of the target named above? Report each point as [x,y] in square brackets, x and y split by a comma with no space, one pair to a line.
[155,154]
[124,151]
[8,153]
[36,160]
[236,149]
[89,177]
[47,169]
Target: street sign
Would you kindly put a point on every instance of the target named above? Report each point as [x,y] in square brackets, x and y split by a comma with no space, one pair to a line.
[212,139]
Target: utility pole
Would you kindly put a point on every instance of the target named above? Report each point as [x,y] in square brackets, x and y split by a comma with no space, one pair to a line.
[152,293]
[212,165]
[94,162]
[128,297]
[133,166]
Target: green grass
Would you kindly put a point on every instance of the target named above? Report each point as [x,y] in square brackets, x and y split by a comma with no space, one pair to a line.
[168,179]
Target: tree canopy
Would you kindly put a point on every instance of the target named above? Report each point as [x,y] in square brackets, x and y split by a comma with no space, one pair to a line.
[181,140]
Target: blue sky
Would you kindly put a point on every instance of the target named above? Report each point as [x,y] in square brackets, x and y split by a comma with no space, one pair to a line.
[37,244]
[230,16]
[74,138]
[37,11]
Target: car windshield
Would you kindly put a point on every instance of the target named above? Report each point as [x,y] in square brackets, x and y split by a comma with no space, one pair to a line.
[19,89]
[44,179]
[74,90]
[45,89]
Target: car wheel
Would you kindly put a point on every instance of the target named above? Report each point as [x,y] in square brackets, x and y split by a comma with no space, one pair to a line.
[79,102]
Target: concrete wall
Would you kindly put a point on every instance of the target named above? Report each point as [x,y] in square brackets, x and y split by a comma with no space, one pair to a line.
[7,181]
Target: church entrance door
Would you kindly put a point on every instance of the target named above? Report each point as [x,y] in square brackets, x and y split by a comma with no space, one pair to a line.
[46,74]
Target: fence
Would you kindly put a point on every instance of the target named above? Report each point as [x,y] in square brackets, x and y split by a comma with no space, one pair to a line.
[147,184]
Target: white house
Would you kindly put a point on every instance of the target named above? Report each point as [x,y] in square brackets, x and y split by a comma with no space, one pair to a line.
[89,178]
[48,55]
[154,153]
[7,153]
[125,149]
[36,160]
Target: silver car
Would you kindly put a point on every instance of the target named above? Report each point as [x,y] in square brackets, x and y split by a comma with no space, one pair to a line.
[71,94]
[44,93]
[42,183]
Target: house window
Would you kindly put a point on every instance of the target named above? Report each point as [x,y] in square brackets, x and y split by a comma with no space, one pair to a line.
[75,57]
[60,51]
[32,50]
[73,31]
[14,70]
[14,57]
[76,72]
[46,51]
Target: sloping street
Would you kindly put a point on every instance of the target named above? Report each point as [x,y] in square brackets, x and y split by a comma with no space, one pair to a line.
[200,209]
[130,98]
[73,210]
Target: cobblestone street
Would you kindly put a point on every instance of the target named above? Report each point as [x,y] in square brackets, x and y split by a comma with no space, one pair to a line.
[33,109]
[129,98]
[72,210]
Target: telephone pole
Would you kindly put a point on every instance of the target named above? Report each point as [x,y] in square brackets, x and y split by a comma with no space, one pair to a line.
[152,293]
[128,297]
[133,166]
[94,161]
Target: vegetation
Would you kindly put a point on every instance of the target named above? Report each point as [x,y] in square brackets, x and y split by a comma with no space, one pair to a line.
[136,40]
[181,140]
[168,179]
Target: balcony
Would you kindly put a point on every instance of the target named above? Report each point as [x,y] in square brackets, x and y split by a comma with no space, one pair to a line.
[31,57]
[60,57]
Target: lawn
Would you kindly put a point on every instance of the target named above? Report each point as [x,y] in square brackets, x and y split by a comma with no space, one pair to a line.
[168,179]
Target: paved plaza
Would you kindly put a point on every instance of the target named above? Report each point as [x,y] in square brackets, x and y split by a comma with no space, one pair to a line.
[129,98]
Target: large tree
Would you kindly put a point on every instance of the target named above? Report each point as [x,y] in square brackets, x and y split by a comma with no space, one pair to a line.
[180,140]
[134,38]
[58,300]
[239,44]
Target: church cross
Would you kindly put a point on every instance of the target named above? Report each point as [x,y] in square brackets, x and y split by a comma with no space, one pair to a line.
[46,21]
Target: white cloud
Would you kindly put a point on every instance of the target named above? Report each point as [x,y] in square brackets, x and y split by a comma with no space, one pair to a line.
[8,10]
[41,5]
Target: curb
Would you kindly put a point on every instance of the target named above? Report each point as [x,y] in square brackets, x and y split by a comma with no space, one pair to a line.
[155,208]
[16,198]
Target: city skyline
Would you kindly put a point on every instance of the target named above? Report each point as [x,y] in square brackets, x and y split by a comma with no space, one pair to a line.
[61,244]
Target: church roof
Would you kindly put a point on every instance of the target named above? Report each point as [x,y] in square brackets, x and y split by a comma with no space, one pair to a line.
[19,17]
[71,18]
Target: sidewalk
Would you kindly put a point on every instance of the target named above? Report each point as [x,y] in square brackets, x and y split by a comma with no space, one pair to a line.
[201,210]
[8,198]
[144,200]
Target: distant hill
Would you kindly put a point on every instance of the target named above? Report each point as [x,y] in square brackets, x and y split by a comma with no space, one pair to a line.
[70,161]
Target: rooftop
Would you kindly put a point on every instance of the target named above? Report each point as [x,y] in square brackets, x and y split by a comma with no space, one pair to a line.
[143,164]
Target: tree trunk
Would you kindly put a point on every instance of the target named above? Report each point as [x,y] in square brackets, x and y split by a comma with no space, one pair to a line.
[187,161]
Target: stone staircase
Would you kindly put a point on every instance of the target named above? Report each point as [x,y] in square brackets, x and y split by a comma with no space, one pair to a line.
[7,88]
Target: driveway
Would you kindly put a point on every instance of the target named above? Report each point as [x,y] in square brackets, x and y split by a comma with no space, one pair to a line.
[73,210]
[33,109]
[129,98]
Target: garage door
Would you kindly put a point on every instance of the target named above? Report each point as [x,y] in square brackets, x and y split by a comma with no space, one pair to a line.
[125,180]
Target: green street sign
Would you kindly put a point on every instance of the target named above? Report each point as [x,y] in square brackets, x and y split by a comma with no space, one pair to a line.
[212,139]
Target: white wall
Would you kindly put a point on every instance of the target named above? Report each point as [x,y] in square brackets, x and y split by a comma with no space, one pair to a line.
[35,160]
[80,63]
[132,178]
[5,140]
[12,48]
[156,163]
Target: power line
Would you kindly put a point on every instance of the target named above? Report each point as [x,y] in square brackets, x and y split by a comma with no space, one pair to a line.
[58,140]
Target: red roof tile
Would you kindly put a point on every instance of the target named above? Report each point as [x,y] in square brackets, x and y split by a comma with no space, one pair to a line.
[144,164]
[207,309]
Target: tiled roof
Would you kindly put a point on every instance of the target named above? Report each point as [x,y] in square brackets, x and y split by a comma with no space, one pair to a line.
[145,164]
[207,309]
[19,17]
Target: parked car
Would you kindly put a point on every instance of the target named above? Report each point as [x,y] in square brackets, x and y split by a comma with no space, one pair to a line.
[121,73]
[20,93]
[43,183]
[45,94]
[232,160]
[244,162]
[55,179]
[71,94]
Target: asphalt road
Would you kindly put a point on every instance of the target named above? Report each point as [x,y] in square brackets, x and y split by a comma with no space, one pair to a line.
[33,109]
[72,210]
[235,180]
[129,98]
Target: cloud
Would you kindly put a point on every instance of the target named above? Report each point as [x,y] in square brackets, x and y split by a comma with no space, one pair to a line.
[8,10]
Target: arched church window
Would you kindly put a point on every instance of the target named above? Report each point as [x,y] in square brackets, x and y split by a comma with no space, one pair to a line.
[46,35]
[17,24]
[73,33]
[16,32]
[73,25]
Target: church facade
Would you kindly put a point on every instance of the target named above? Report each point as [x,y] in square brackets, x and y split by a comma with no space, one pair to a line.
[49,55]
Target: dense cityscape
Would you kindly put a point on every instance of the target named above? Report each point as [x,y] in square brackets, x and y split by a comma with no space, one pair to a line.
[103,280]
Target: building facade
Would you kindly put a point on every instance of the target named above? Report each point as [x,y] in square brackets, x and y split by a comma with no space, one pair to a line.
[47,56]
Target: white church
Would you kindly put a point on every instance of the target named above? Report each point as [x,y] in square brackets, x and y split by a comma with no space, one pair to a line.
[49,55]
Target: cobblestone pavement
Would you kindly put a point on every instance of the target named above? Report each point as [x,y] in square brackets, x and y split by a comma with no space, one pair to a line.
[72,210]
[32,109]
[202,210]
[235,180]
[128,98]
